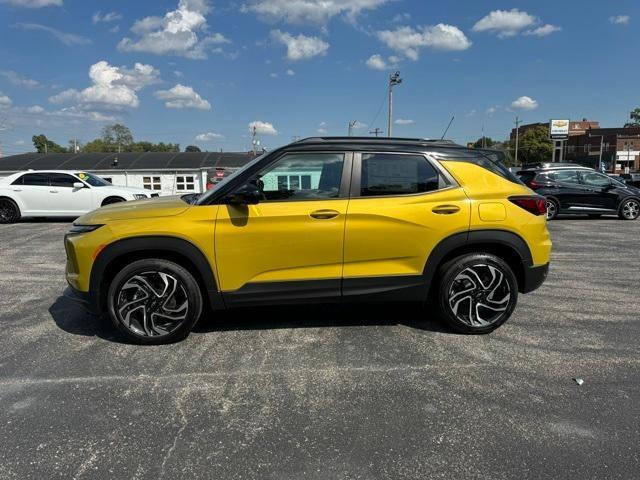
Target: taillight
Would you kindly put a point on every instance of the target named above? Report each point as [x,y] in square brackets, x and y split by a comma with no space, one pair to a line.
[536,205]
[533,185]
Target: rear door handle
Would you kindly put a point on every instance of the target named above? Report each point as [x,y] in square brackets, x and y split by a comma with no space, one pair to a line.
[445,209]
[53,191]
[324,214]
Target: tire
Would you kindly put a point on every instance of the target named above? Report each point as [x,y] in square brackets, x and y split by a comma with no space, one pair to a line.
[161,287]
[9,211]
[112,200]
[629,209]
[477,293]
[553,208]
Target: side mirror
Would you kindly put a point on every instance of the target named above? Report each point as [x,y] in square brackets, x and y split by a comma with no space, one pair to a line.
[78,185]
[248,194]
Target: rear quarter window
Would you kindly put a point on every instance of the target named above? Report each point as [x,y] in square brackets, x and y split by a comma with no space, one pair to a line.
[491,161]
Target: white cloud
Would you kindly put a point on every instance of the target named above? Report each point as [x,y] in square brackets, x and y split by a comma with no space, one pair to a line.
[182,96]
[322,128]
[290,72]
[543,30]
[176,33]
[107,17]
[35,109]
[115,29]
[262,128]
[178,73]
[69,39]
[620,19]
[404,121]
[359,126]
[316,12]
[113,88]
[20,142]
[376,62]
[471,113]
[33,3]
[19,80]
[408,41]
[5,102]
[505,23]
[491,110]
[300,47]
[208,137]
[524,103]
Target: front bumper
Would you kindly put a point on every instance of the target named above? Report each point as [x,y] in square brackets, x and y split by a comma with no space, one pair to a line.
[534,277]
[84,299]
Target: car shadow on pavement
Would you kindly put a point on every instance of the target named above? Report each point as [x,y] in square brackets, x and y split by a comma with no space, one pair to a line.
[71,317]
[47,219]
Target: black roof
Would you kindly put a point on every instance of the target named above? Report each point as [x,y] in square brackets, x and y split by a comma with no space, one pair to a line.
[125,161]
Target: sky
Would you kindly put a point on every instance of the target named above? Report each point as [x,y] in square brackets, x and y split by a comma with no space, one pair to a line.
[205,72]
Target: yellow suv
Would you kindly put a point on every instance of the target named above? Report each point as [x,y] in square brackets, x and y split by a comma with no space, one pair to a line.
[320,220]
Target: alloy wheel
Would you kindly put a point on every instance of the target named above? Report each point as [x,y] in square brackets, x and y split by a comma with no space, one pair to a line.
[551,209]
[631,209]
[479,295]
[7,211]
[152,304]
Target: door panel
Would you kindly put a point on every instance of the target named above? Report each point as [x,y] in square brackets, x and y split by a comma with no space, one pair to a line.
[389,233]
[600,193]
[295,234]
[33,189]
[67,199]
[279,241]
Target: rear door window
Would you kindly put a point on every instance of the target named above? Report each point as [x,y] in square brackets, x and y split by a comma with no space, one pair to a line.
[386,174]
[565,176]
[33,179]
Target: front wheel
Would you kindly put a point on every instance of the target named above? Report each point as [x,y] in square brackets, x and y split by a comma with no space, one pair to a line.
[477,293]
[154,301]
[630,209]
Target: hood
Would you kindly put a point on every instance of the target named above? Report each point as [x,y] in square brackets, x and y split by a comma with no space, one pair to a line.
[150,208]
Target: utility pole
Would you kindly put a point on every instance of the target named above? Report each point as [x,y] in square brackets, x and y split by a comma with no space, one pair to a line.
[394,79]
[352,126]
[254,133]
[376,131]
[517,138]
[484,143]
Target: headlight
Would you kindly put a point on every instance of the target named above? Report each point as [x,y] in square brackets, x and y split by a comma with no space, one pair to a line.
[76,229]
[139,196]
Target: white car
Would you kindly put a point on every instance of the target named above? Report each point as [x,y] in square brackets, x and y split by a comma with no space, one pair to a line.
[59,193]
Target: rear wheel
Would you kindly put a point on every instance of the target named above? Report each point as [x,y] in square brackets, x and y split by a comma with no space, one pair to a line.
[477,293]
[9,211]
[154,301]
[630,209]
[552,209]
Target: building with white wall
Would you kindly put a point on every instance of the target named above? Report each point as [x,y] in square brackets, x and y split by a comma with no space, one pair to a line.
[165,173]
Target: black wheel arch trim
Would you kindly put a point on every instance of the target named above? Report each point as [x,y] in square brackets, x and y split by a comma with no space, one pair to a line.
[462,240]
[168,244]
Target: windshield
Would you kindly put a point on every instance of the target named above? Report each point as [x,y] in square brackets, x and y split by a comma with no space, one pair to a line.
[92,179]
[205,196]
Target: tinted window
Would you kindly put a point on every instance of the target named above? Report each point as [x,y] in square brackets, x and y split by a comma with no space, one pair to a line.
[303,176]
[35,179]
[62,180]
[594,179]
[389,174]
[564,176]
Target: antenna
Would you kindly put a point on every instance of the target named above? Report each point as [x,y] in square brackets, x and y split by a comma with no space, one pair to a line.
[448,126]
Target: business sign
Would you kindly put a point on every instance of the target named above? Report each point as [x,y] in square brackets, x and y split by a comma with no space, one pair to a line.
[559,129]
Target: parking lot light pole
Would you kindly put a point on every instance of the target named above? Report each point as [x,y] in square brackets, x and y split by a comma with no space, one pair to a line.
[394,79]
[517,138]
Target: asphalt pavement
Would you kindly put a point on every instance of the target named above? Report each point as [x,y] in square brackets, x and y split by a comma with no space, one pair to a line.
[328,392]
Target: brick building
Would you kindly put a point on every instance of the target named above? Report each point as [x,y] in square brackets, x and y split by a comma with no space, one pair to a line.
[617,148]
[576,127]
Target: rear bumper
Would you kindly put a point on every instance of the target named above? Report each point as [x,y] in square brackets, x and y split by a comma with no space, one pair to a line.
[534,277]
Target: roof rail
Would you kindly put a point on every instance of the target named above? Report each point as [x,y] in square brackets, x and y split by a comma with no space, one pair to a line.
[375,139]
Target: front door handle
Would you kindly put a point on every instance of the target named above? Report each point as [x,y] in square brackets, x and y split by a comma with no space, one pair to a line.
[445,209]
[324,214]
[53,191]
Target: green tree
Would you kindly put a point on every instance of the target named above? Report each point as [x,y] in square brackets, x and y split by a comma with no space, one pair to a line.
[483,142]
[43,145]
[535,146]
[635,119]
[192,148]
[118,135]
[99,146]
